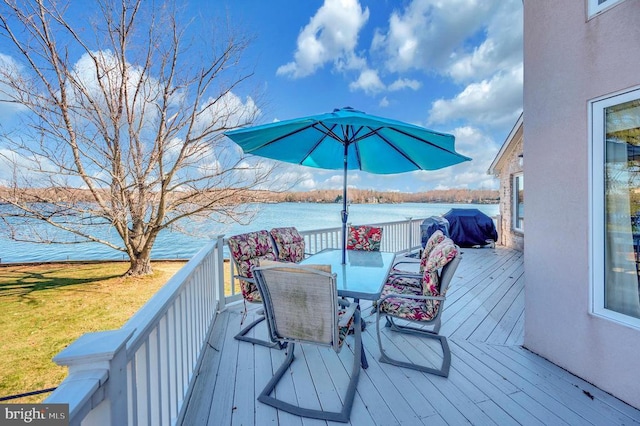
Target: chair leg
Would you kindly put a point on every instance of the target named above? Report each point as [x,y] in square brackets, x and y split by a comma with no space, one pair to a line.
[446,352]
[244,338]
[342,416]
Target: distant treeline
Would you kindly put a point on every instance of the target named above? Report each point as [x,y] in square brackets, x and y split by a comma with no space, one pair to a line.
[365,196]
[356,196]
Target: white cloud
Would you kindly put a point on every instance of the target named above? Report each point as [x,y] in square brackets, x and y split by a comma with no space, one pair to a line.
[384,102]
[482,148]
[478,44]
[10,70]
[228,111]
[405,83]
[28,169]
[369,82]
[501,49]
[495,102]
[336,181]
[330,37]
[426,32]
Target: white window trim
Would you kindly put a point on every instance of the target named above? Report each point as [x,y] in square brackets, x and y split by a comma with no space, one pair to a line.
[514,202]
[594,8]
[596,203]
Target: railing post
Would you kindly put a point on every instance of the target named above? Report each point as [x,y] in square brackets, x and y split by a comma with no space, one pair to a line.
[220,280]
[410,235]
[96,361]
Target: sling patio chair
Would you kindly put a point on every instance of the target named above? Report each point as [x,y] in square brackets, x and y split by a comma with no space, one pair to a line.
[364,237]
[248,250]
[289,244]
[302,306]
[419,299]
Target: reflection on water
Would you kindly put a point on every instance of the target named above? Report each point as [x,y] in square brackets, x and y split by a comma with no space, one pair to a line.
[172,244]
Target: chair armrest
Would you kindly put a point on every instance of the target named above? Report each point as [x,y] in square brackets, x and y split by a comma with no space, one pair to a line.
[407,261]
[346,317]
[393,276]
[243,278]
[414,263]
[410,296]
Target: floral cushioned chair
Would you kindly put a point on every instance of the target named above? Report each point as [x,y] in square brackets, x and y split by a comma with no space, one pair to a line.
[302,306]
[403,277]
[420,299]
[289,243]
[364,237]
[247,250]
[436,238]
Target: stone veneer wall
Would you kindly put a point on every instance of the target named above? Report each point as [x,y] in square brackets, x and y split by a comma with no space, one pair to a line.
[506,234]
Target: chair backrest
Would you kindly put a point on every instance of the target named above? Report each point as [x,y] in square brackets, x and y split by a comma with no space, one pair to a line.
[248,250]
[439,258]
[364,237]
[436,238]
[447,273]
[289,244]
[448,260]
[300,303]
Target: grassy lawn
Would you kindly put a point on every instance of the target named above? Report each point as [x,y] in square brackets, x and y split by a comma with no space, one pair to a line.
[45,307]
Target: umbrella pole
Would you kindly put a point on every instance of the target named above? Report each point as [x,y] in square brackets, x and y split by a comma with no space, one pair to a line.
[345,214]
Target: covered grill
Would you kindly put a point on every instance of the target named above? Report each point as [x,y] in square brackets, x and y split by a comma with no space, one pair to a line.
[431,225]
[471,228]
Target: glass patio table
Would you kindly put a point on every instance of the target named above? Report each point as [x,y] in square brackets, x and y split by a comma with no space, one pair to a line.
[362,276]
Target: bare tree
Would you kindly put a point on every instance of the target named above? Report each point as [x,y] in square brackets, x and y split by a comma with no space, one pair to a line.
[122,121]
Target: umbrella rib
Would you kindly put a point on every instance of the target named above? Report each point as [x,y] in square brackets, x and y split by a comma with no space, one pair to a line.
[272,141]
[329,132]
[398,150]
[424,141]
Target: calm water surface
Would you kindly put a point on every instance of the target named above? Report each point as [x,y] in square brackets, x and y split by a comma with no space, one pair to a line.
[304,216]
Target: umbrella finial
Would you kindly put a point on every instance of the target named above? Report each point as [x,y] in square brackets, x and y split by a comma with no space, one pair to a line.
[348,109]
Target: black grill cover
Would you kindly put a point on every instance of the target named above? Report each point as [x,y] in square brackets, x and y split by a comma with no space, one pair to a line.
[431,225]
[470,227]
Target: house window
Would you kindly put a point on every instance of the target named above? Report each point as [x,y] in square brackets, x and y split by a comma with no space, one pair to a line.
[597,6]
[615,224]
[518,202]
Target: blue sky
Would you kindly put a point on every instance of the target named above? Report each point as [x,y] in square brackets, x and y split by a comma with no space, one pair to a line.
[453,66]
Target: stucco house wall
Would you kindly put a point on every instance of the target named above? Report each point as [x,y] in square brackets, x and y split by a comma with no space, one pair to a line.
[508,162]
[569,60]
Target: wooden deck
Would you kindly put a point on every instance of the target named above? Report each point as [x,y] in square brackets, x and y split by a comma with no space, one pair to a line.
[493,380]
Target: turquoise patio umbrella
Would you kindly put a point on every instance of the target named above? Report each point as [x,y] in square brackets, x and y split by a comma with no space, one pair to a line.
[348,139]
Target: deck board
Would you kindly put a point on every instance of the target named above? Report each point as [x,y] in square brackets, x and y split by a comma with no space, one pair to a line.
[493,380]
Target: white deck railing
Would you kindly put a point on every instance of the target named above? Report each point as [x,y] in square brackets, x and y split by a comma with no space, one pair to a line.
[398,237]
[142,373]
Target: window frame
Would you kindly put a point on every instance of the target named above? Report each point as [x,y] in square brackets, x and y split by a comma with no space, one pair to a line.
[514,202]
[594,8]
[597,146]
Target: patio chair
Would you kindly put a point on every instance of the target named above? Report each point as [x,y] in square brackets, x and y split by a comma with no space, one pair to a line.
[364,237]
[248,250]
[412,277]
[419,299]
[436,238]
[289,244]
[302,306]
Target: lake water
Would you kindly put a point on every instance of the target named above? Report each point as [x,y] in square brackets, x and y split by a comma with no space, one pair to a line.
[172,245]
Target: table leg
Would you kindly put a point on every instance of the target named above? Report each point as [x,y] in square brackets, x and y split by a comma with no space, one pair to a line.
[363,359]
[363,324]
